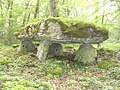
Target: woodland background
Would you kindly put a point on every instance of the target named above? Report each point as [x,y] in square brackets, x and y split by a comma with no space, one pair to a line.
[20,71]
[15,14]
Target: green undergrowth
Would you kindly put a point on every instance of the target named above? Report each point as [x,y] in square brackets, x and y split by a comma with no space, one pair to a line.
[25,72]
[107,64]
[18,83]
[111,46]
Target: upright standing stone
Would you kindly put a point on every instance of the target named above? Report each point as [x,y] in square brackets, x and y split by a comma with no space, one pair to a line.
[42,50]
[27,46]
[86,54]
[55,49]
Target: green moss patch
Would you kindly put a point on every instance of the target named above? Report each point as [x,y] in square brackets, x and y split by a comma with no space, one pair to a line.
[71,27]
[61,21]
[34,24]
[79,29]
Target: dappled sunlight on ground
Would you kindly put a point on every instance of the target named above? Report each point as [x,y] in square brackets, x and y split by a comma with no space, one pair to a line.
[25,72]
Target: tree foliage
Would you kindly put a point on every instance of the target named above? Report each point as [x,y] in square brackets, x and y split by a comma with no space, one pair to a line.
[17,13]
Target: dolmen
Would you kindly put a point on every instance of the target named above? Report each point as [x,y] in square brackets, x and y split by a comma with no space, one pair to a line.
[52,32]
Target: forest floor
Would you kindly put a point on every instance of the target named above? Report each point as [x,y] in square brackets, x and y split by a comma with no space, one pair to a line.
[25,72]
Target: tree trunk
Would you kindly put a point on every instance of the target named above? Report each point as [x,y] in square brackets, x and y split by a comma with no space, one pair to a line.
[36,9]
[9,14]
[42,50]
[28,18]
[25,15]
[86,54]
[103,14]
[52,7]
[1,11]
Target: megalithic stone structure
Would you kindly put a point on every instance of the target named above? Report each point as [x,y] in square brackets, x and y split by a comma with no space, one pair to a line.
[55,31]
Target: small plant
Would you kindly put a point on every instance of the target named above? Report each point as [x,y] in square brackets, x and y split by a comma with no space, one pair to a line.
[53,68]
[36,43]
[49,76]
[44,86]
[71,82]
[102,78]
[19,87]
[17,84]
[26,82]
[9,84]
[57,71]
[5,62]
[15,45]
[85,84]
[4,78]
[106,64]
[115,73]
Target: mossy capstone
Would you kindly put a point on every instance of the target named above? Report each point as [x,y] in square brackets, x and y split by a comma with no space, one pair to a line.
[64,31]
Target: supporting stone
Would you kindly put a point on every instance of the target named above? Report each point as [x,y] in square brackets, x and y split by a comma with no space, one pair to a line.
[27,46]
[55,49]
[86,54]
[42,50]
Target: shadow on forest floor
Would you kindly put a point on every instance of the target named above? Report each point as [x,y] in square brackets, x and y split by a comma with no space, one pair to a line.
[25,72]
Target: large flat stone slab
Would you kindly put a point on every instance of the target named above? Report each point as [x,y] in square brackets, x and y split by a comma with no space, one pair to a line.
[63,31]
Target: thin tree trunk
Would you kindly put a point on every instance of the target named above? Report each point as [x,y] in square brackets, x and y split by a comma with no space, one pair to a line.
[25,15]
[36,9]
[10,5]
[28,18]
[63,1]
[1,10]
[103,15]
[10,14]
[52,7]
[102,22]
[68,9]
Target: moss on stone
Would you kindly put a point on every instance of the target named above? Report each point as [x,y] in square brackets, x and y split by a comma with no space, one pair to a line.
[35,24]
[64,26]
[72,27]
[85,30]
[79,29]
